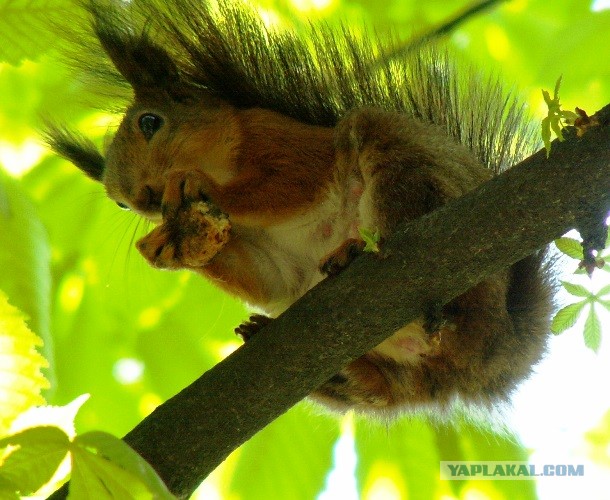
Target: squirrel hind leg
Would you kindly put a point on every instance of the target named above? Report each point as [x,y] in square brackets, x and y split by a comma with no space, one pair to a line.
[373,384]
[335,262]
[474,356]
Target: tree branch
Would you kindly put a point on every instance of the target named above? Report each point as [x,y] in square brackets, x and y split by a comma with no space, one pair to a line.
[431,260]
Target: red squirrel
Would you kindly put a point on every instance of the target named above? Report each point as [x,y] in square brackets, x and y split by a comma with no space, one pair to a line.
[261,155]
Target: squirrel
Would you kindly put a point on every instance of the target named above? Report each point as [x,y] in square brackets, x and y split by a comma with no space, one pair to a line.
[261,154]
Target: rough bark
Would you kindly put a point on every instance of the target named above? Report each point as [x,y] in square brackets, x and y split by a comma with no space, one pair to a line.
[431,260]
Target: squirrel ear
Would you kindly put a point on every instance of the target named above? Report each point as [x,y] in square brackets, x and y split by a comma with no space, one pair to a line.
[146,66]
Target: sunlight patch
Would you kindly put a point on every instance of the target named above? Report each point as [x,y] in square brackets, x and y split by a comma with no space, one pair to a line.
[71,292]
[148,403]
[128,370]
[91,268]
[224,349]
[19,159]
[385,482]
[270,19]
[473,493]
[341,481]
[599,5]
[516,6]
[383,488]
[497,42]
[149,317]
[309,5]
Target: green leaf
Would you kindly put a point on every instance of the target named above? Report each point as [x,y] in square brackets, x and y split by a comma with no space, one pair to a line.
[568,117]
[57,416]
[554,119]
[547,99]
[122,455]
[577,290]
[21,379]
[593,331]
[371,239]
[24,260]
[546,134]
[603,291]
[556,90]
[24,25]
[7,491]
[557,128]
[570,247]
[95,478]
[32,464]
[604,303]
[567,316]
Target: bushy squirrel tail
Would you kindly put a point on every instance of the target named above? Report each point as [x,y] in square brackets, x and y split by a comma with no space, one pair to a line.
[315,77]
[530,298]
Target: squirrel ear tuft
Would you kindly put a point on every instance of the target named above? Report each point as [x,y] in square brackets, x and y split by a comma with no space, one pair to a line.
[75,148]
[145,65]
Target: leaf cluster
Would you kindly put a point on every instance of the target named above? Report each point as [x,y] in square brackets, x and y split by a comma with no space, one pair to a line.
[103,466]
[556,118]
[568,315]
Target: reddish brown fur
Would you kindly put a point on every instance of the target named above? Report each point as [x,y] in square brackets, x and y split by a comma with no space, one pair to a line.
[281,167]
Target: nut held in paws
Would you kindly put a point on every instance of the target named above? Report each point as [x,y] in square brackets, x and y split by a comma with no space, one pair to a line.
[189,238]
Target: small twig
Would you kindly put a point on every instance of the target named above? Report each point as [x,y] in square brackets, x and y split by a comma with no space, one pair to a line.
[594,232]
[414,43]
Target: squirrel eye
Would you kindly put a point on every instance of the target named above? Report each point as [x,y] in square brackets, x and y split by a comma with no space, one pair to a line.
[122,206]
[149,124]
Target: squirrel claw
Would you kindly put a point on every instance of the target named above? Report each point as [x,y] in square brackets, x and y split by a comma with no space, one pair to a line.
[183,187]
[158,249]
[251,327]
[342,257]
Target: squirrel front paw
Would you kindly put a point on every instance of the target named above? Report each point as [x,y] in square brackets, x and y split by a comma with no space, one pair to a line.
[193,229]
[182,188]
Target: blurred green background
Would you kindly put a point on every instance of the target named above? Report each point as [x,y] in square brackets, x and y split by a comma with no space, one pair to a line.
[132,336]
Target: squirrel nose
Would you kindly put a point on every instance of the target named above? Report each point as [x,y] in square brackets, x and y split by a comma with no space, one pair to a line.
[148,199]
